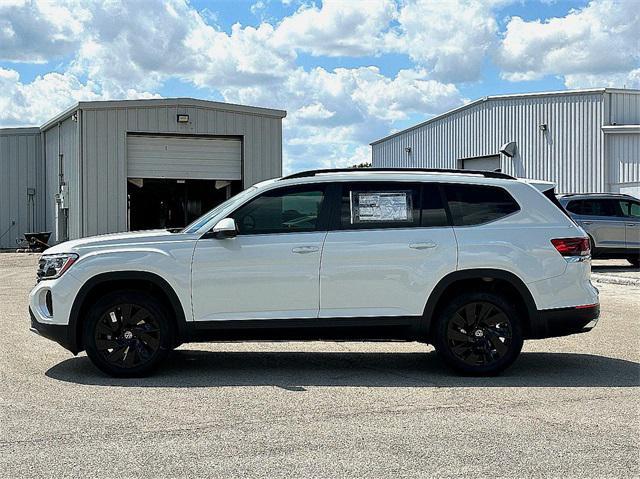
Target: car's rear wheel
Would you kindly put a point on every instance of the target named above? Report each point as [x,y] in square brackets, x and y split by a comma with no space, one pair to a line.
[127,334]
[478,334]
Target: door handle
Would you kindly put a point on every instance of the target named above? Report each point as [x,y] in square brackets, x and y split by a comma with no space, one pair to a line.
[587,222]
[305,249]
[632,224]
[424,245]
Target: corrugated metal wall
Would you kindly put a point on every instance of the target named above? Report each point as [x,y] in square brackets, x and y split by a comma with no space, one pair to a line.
[624,108]
[99,201]
[572,145]
[62,139]
[623,151]
[20,168]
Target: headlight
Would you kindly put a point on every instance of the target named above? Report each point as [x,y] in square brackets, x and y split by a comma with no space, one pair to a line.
[53,266]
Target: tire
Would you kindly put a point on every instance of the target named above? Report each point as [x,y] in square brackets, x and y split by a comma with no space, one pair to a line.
[127,334]
[478,334]
[634,260]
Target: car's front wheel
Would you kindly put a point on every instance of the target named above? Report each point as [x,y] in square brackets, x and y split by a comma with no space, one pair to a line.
[634,260]
[478,334]
[127,334]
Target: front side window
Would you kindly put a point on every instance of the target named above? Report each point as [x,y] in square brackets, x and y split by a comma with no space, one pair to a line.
[285,210]
[380,205]
[478,204]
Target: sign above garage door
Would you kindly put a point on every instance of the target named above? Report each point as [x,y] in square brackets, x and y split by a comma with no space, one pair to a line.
[184,157]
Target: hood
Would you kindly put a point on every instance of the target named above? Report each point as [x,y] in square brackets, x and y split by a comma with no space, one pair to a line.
[115,239]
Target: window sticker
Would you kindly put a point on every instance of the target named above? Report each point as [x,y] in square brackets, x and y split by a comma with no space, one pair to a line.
[387,206]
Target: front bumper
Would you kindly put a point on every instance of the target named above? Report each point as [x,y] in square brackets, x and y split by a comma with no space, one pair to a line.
[551,323]
[60,333]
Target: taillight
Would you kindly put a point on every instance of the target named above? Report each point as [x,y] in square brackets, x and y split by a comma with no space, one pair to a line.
[572,246]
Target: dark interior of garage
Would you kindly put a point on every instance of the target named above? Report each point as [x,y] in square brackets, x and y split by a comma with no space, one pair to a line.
[170,203]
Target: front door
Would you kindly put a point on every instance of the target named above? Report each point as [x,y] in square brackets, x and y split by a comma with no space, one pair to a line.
[390,246]
[631,210]
[271,269]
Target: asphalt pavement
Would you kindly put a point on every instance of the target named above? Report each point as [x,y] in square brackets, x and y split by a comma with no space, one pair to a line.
[568,408]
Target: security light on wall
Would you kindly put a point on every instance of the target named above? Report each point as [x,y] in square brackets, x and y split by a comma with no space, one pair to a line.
[543,127]
[509,149]
[407,149]
[183,118]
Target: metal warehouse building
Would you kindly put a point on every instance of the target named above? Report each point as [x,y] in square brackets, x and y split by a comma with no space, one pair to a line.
[110,166]
[583,140]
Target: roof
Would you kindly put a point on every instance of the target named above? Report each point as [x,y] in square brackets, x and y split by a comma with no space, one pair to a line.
[485,99]
[29,130]
[160,102]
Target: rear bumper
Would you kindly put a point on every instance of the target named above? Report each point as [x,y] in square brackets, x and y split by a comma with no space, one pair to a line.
[551,323]
[60,333]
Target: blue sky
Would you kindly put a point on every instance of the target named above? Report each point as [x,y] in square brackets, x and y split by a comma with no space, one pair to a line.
[347,72]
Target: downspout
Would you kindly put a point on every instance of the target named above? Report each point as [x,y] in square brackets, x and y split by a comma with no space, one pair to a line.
[80,181]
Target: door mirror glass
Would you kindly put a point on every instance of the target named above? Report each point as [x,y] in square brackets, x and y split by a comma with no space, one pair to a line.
[225,228]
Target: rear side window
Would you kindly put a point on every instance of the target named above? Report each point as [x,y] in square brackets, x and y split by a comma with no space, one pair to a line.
[380,205]
[595,207]
[433,213]
[478,204]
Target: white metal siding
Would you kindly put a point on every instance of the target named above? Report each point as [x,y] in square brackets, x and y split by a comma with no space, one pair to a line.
[20,169]
[623,151]
[62,139]
[104,150]
[570,152]
[184,157]
[624,108]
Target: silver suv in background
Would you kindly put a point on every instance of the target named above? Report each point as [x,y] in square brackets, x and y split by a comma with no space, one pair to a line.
[612,222]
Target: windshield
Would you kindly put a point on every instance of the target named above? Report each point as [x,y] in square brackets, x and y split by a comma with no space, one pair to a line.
[204,219]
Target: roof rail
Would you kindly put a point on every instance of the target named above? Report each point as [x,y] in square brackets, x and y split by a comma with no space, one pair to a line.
[596,194]
[486,174]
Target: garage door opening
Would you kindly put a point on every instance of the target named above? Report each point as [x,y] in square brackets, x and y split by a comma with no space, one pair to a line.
[481,163]
[169,203]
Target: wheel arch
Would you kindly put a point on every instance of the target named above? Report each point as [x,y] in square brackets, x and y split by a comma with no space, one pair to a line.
[139,280]
[446,287]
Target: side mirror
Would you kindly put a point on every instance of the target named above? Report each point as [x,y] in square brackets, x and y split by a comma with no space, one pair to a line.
[224,229]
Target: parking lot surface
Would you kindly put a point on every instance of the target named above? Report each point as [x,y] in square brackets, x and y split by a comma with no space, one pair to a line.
[568,407]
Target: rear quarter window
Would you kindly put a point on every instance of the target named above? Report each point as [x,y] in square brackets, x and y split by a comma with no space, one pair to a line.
[478,204]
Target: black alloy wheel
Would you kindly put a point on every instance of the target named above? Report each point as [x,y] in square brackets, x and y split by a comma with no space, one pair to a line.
[478,334]
[127,333]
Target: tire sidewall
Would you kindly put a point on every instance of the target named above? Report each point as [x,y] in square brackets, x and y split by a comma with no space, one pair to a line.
[442,346]
[102,306]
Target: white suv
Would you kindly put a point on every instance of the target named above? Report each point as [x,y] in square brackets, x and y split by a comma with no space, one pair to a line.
[471,262]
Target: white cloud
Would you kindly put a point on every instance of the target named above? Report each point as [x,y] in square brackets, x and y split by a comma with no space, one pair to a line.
[338,27]
[39,30]
[449,38]
[598,44]
[124,49]
[38,101]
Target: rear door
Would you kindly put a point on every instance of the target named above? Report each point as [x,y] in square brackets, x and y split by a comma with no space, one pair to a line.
[388,247]
[602,218]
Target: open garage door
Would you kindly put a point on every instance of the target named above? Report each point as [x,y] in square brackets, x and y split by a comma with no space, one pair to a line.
[177,157]
[482,163]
